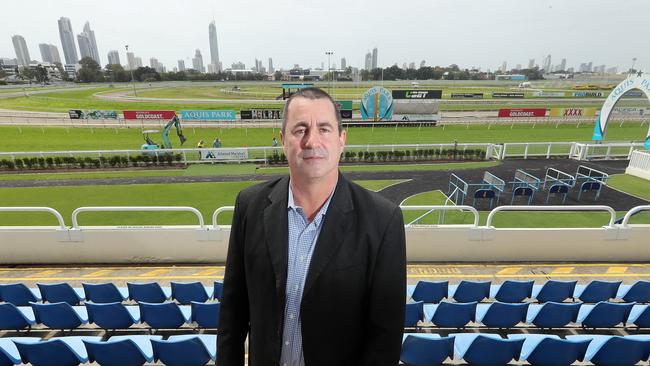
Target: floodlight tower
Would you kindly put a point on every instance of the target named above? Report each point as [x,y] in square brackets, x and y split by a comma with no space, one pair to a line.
[329,70]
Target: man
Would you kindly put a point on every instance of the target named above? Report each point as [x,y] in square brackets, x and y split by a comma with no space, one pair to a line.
[316,271]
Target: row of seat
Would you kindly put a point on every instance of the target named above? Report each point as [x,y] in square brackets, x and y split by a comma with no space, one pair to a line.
[61,315]
[177,350]
[481,349]
[519,291]
[151,292]
[509,315]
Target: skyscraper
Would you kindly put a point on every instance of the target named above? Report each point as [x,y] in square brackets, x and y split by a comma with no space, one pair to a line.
[546,65]
[67,41]
[271,69]
[113,57]
[531,63]
[197,61]
[87,37]
[22,53]
[181,65]
[49,53]
[130,59]
[344,63]
[374,58]
[214,45]
[368,63]
[563,64]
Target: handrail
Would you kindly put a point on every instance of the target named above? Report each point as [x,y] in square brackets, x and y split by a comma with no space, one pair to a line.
[443,208]
[632,212]
[54,212]
[611,211]
[217,212]
[193,210]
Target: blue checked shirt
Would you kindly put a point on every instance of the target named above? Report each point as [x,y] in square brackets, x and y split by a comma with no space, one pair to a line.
[302,240]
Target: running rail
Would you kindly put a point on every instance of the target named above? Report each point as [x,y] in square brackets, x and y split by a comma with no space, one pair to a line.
[442,208]
[612,213]
[37,209]
[76,212]
[632,212]
[217,212]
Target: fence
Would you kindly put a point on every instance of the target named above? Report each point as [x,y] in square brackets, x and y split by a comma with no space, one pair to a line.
[639,164]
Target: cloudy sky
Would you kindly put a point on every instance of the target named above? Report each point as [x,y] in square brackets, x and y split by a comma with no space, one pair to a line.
[481,33]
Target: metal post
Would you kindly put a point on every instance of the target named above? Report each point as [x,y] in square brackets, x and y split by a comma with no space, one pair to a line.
[131,69]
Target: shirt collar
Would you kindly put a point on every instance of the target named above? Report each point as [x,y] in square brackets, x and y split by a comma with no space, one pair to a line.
[291,204]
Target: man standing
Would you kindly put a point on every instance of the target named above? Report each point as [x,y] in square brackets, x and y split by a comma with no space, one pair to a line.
[316,268]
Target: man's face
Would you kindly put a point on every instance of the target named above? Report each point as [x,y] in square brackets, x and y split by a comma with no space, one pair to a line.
[311,139]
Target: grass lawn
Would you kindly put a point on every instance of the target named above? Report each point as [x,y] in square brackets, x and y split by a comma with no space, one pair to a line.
[630,184]
[378,185]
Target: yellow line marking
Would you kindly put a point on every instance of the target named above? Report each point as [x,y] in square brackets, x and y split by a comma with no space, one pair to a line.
[562,270]
[508,271]
[100,273]
[46,274]
[15,269]
[616,270]
[155,272]
[115,278]
[208,272]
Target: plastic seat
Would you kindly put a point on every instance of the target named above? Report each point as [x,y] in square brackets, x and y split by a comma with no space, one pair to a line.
[604,314]
[168,315]
[185,293]
[14,318]
[101,293]
[218,289]
[430,292]
[150,292]
[513,291]
[413,313]
[206,315]
[554,291]
[113,315]
[597,291]
[638,292]
[501,315]
[550,350]
[61,292]
[60,315]
[486,349]
[469,291]
[60,351]
[608,350]
[19,294]
[552,314]
[453,315]
[9,354]
[639,316]
[186,350]
[426,349]
[131,350]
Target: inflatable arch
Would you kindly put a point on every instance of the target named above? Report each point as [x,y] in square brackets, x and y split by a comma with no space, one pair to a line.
[637,81]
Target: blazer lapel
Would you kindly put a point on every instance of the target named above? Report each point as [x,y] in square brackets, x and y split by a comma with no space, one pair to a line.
[276,234]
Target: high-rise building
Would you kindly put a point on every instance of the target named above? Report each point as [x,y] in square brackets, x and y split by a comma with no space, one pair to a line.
[368,63]
[271,69]
[238,66]
[546,65]
[504,66]
[156,65]
[49,53]
[344,63]
[181,65]
[89,47]
[518,67]
[138,62]
[197,61]
[22,53]
[130,59]
[114,57]
[412,65]
[67,41]
[562,65]
[422,63]
[374,58]
[214,46]
[531,63]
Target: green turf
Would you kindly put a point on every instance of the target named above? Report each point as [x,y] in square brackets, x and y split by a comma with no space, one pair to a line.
[378,185]
[631,185]
[395,168]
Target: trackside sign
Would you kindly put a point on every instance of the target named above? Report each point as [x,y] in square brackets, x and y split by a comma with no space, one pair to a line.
[525,112]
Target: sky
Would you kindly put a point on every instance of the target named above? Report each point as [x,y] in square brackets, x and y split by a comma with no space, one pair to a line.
[470,33]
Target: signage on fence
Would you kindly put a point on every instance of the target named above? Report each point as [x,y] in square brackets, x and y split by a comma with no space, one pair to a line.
[573,112]
[417,94]
[466,95]
[630,111]
[541,94]
[213,115]
[377,104]
[523,112]
[508,95]
[588,94]
[149,114]
[92,114]
[261,114]
[75,113]
[345,108]
[633,94]
[224,154]
[416,117]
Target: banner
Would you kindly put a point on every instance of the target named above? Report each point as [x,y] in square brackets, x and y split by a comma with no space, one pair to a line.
[224,154]
[213,115]
[630,111]
[508,95]
[416,117]
[166,115]
[92,114]
[633,94]
[466,95]
[541,94]
[573,112]
[75,113]
[345,108]
[523,112]
[417,94]
[377,104]
[588,94]
[261,114]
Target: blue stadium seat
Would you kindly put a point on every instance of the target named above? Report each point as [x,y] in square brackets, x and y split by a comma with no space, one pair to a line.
[61,292]
[14,318]
[101,293]
[550,350]
[185,293]
[468,291]
[614,350]
[423,349]
[640,316]
[9,354]
[552,314]
[453,314]
[413,313]
[186,350]
[19,294]
[597,291]
[206,314]
[168,315]
[512,291]
[604,314]
[60,351]
[555,291]
[430,292]
[113,315]
[500,314]
[131,350]
[638,292]
[218,289]
[486,349]
[150,292]
[60,315]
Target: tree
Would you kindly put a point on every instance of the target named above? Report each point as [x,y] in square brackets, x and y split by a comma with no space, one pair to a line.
[40,74]
[277,75]
[90,71]
[64,74]
[146,74]
[26,74]
[117,73]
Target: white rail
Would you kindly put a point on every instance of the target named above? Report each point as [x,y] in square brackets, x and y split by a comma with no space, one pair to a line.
[630,213]
[54,212]
[76,212]
[441,208]
[611,211]
[217,212]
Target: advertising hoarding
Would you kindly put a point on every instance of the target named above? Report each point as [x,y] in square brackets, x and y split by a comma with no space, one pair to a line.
[417,94]
[416,117]
[573,112]
[261,114]
[508,95]
[166,115]
[466,95]
[541,94]
[92,114]
[210,115]
[345,107]
[522,112]
[586,94]
[224,154]
[377,104]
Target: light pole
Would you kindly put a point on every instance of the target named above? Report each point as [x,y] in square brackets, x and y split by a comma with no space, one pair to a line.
[633,62]
[130,69]
[329,70]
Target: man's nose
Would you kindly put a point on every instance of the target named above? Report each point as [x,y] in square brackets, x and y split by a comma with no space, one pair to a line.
[310,139]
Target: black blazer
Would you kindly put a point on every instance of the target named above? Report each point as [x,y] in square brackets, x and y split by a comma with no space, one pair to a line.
[352,309]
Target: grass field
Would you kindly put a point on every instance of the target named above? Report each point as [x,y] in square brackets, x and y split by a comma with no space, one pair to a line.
[630,184]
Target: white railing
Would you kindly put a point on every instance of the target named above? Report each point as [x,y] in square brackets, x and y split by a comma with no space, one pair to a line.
[76,212]
[216,213]
[54,212]
[632,212]
[536,149]
[612,213]
[433,208]
[639,164]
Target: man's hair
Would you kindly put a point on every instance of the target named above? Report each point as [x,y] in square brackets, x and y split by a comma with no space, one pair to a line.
[313,94]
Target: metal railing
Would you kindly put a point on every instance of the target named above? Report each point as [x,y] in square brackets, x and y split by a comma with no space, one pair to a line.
[632,212]
[216,214]
[76,212]
[54,212]
[433,208]
[496,210]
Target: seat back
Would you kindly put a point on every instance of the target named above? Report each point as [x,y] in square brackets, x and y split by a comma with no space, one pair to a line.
[187,352]
[469,291]
[490,351]
[505,315]
[115,353]
[101,293]
[150,292]
[206,315]
[218,289]
[556,291]
[58,292]
[48,353]
[109,316]
[430,292]
[419,351]
[607,315]
[11,318]
[58,315]
[556,315]
[639,292]
[161,316]
[413,313]
[185,293]
[454,315]
[643,321]
[621,351]
[553,352]
[17,294]
[514,291]
[600,291]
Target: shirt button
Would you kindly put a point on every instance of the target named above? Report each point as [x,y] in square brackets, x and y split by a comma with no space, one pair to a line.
[295,287]
[291,316]
[302,258]
[286,343]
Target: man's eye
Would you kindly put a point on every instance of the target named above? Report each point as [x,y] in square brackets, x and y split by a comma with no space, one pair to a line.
[324,130]
[299,132]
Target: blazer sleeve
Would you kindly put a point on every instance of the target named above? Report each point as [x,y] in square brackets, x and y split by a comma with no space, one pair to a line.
[385,315]
[234,317]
